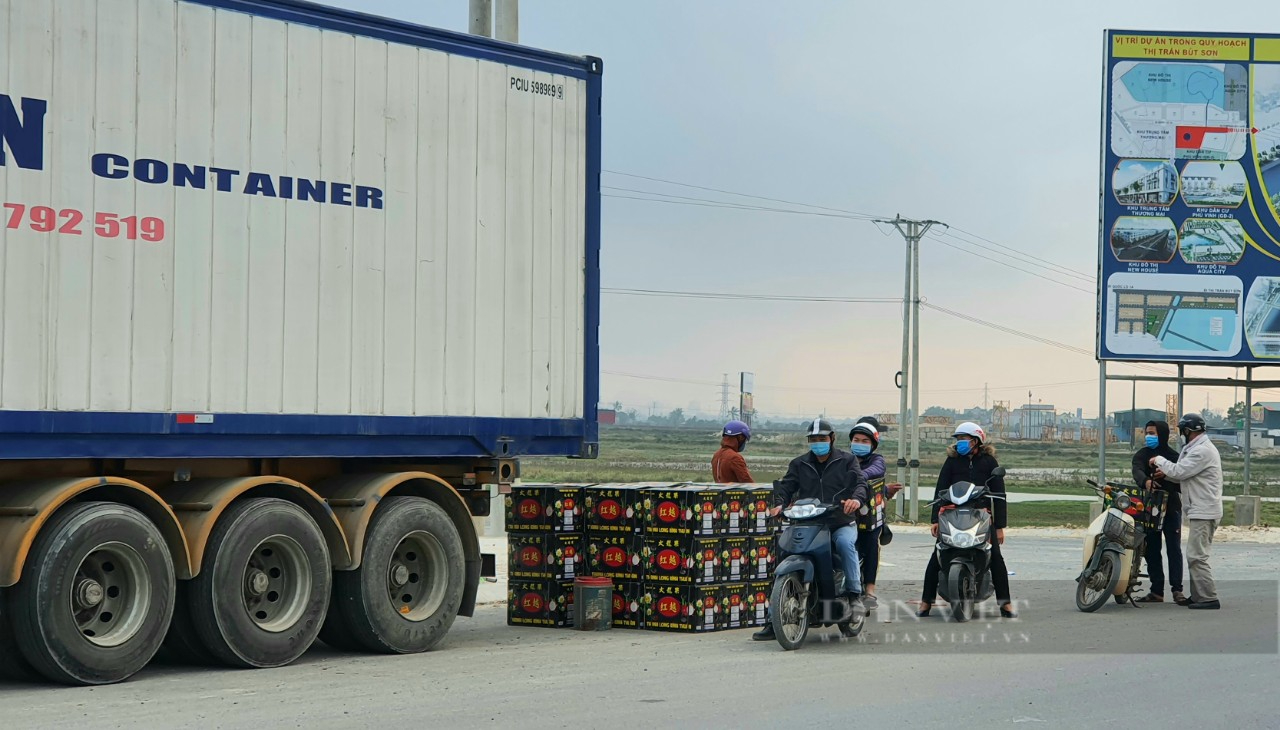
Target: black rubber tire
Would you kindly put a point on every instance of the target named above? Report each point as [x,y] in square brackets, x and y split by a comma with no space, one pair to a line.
[182,644]
[1122,600]
[1110,562]
[46,631]
[13,666]
[215,598]
[776,601]
[362,614]
[960,593]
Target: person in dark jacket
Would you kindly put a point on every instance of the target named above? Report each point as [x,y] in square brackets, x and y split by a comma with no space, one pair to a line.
[971,459]
[864,439]
[1145,475]
[727,465]
[832,476]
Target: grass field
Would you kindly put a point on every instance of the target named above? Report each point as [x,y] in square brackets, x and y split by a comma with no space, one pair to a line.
[649,454]
[629,454]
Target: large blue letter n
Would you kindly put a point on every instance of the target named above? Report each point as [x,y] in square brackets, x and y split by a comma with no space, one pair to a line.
[24,138]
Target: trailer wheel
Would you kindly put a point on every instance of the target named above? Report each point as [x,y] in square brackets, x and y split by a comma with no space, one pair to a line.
[96,596]
[264,589]
[406,593]
[182,645]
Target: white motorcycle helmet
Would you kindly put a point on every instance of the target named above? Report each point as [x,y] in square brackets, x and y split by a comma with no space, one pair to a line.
[969,428]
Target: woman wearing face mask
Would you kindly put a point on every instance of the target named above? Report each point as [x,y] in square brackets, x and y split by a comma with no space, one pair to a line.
[970,459]
[863,441]
[1156,444]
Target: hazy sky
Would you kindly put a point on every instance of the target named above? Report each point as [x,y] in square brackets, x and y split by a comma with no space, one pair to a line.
[985,115]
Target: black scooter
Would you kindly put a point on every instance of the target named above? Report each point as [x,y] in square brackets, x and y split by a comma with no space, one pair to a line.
[963,549]
[809,584]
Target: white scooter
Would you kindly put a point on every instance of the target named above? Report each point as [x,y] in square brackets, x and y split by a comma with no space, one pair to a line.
[1114,544]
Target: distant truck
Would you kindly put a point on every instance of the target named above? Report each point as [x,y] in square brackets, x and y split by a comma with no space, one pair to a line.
[286,292]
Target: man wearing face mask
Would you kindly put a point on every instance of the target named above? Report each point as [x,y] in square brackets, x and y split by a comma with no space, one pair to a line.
[1199,471]
[1156,443]
[832,476]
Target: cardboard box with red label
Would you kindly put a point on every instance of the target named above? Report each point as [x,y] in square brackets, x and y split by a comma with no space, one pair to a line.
[546,555]
[617,507]
[549,508]
[734,499]
[735,559]
[758,602]
[628,612]
[763,556]
[681,608]
[759,502]
[615,555]
[735,611]
[539,602]
[687,510]
[681,559]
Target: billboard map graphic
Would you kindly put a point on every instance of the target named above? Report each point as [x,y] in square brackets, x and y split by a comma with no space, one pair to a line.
[1189,258]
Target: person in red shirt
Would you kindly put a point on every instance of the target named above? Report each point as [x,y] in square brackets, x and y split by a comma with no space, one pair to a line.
[728,466]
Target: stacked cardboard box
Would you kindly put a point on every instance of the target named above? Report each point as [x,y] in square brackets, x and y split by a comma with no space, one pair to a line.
[545,551]
[704,552]
[682,557]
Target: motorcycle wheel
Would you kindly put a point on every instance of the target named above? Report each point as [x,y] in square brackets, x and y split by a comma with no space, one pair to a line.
[790,611]
[1093,588]
[962,590]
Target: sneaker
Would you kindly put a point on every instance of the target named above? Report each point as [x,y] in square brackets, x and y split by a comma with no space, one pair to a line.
[765,634]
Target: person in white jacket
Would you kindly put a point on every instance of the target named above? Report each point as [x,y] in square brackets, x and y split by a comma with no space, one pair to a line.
[1199,471]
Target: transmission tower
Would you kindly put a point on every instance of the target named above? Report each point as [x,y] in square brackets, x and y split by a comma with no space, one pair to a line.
[724,397]
[1171,410]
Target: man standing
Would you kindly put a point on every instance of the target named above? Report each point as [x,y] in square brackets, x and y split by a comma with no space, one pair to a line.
[1199,471]
[728,466]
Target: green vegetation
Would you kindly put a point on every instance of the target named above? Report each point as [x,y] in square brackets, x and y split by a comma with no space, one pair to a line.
[644,453]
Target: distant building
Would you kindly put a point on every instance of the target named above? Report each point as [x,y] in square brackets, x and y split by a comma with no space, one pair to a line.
[1126,421]
[607,416]
[1034,421]
[1266,414]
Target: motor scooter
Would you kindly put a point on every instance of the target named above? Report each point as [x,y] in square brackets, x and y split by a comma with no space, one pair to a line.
[1115,542]
[809,584]
[963,547]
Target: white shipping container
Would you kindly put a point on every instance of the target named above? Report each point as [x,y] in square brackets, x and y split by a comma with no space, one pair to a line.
[212,211]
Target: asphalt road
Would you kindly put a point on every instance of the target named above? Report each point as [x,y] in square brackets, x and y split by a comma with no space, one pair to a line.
[1052,667]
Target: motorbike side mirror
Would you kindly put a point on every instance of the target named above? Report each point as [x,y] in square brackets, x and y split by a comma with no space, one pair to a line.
[998,471]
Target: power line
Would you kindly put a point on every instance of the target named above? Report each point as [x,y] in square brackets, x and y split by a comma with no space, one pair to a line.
[731,206]
[1001,245]
[1024,258]
[938,239]
[743,195]
[749,297]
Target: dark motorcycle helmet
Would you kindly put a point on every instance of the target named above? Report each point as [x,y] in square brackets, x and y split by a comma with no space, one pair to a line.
[1191,424]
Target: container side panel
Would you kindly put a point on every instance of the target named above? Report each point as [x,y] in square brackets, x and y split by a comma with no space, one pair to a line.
[26,254]
[400,220]
[268,143]
[368,280]
[153,292]
[302,224]
[490,238]
[232,85]
[434,206]
[71,277]
[193,211]
[518,334]
[460,269]
[561,287]
[337,143]
[543,251]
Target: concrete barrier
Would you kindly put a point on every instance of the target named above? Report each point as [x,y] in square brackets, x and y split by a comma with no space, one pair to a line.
[1248,510]
[1095,509]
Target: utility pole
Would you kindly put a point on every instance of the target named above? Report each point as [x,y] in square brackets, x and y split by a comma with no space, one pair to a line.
[480,18]
[912,231]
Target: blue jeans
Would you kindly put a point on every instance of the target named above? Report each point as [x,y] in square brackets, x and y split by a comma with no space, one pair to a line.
[845,541]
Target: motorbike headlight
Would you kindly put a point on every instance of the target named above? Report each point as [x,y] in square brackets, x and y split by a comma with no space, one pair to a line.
[1122,502]
[802,511]
[963,539]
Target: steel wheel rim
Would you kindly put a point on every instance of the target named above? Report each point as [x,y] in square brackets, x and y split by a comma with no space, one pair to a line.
[276,587]
[417,576]
[110,594]
[794,615]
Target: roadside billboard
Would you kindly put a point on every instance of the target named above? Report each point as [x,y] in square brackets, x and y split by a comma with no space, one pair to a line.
[1189,257]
